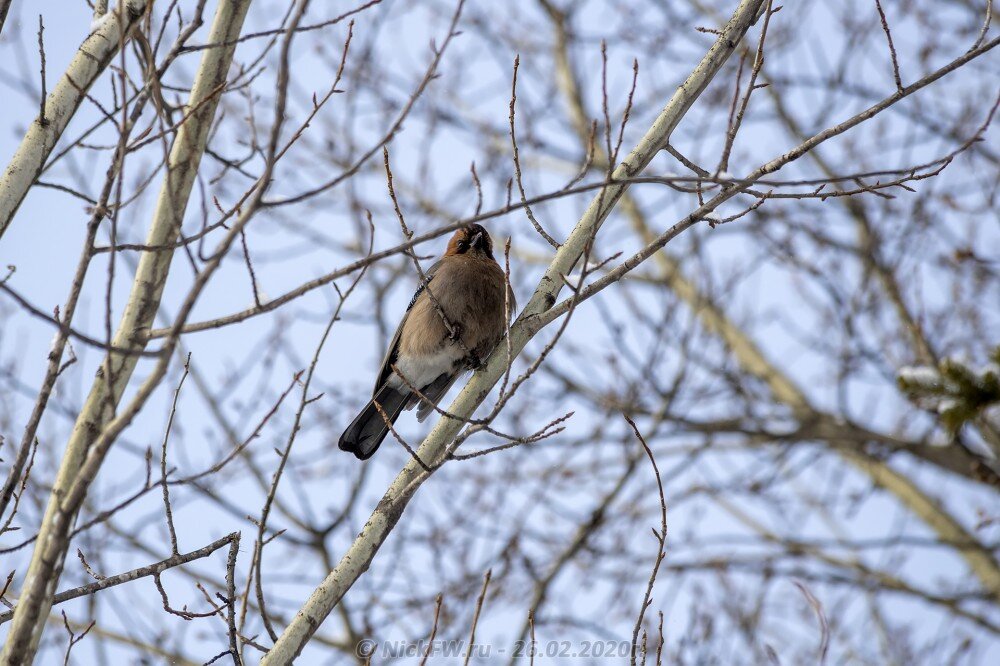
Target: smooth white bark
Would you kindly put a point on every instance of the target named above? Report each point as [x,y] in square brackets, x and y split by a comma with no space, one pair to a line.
[72,482]
[93,56]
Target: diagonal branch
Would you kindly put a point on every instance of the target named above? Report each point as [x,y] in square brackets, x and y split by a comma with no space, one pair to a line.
[174,560]
[93,56]
[361,553]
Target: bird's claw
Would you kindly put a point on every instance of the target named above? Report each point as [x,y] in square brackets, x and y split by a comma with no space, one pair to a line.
[473,361]
[456,333]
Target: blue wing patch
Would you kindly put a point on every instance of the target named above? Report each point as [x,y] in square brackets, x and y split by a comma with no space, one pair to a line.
[420,290]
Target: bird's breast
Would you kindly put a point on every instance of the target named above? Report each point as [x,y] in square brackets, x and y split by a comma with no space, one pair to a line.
[468,293]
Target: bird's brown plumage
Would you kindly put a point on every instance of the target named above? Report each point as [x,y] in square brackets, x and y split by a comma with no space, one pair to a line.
[453,323]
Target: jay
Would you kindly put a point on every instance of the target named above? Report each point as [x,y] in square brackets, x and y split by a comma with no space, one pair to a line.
[453,322]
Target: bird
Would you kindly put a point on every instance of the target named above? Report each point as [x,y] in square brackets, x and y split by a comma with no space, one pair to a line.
[458,315]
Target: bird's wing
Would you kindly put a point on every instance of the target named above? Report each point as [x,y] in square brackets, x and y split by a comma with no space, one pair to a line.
[391,351]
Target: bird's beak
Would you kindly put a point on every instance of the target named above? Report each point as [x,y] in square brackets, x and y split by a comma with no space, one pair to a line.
[477,240]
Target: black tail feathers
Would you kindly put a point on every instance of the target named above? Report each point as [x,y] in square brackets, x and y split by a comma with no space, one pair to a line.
[369,428]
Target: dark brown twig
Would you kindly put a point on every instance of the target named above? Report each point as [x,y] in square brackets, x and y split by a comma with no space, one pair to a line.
[163,460]
[517,161]
[661,539]
[892,48]
[73,638]
[42,120]
[475,617]
[434,628]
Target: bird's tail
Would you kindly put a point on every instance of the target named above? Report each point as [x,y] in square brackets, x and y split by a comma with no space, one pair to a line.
[368,430]
[433,394]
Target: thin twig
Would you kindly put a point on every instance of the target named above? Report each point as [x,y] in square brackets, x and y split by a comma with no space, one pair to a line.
[517,161]
[42,120]
[824,642]
[73,638]
[135,574]
[661,538]
[892,48]
[434,628]
[475,617]
[163,459]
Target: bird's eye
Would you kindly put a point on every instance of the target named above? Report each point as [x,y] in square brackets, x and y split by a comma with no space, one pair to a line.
[463,246]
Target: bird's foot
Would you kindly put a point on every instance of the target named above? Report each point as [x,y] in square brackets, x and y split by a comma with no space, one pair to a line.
[456,333]
[473,361]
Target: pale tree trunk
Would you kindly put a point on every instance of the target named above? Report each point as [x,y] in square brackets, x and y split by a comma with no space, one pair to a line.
[116,370]
[434,447]
[847,440]
[91,59]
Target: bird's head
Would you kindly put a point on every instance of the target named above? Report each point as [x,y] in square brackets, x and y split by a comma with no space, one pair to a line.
[471,239]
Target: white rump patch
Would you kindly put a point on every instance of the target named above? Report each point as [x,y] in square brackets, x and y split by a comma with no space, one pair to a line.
[422,370]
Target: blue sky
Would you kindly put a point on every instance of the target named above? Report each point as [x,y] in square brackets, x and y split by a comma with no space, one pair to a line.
[295,244]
